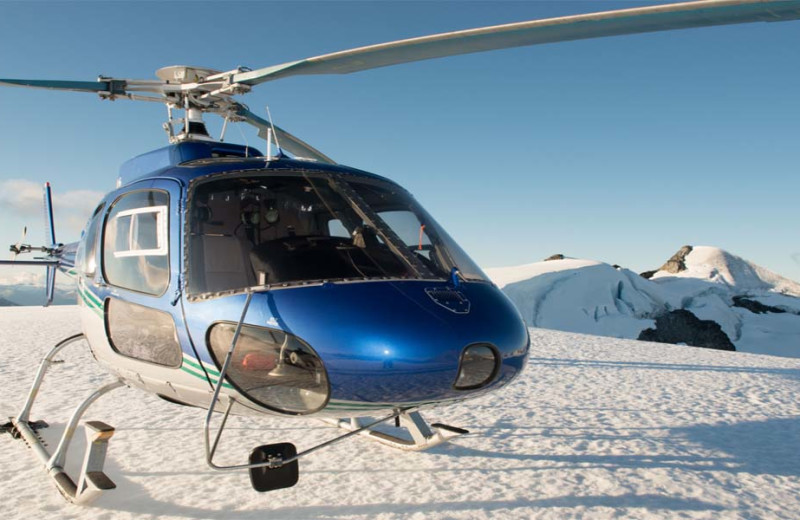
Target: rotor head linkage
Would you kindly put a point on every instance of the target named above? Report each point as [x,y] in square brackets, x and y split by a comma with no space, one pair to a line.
[194,128]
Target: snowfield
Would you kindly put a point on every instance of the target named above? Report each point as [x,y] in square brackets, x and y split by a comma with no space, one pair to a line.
[595,428]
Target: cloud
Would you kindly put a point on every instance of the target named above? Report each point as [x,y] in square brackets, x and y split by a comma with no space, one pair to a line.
[23,198]
[34,279]
[23,278]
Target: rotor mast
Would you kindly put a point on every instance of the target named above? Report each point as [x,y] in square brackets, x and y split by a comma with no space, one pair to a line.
[196,90]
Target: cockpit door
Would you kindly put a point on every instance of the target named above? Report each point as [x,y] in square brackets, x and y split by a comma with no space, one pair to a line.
[141,258]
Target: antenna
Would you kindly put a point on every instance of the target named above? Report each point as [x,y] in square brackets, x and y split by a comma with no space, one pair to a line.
[271,133]
[224,128]
[186,123]
[246,144]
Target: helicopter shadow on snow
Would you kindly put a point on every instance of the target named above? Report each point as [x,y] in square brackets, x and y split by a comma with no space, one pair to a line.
[758,447]
[789,373]
[765,446]
[139,502]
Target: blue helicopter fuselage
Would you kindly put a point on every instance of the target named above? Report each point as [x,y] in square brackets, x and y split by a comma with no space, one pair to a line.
[357,344]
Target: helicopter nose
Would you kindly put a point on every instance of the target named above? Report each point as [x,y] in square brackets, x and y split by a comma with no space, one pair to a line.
[393,342]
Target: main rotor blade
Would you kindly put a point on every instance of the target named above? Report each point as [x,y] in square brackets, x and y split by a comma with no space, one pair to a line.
[593,25]
[287,141]
[112,87]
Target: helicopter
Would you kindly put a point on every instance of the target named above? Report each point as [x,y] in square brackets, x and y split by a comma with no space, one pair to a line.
[255,283]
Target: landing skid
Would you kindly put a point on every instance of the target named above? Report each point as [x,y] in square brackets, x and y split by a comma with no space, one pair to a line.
[91,480]
[422,435]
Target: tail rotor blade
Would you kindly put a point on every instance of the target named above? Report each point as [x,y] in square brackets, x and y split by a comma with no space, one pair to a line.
[15,249]
[48,216]
[50,285]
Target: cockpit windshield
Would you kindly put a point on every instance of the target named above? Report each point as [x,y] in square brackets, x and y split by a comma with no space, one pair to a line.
[297,227]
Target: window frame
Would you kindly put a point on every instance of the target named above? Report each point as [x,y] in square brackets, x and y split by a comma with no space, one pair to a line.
[102,237]
[162,231]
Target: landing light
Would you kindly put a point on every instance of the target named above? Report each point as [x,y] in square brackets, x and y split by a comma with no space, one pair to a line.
[274,369]
[478,367]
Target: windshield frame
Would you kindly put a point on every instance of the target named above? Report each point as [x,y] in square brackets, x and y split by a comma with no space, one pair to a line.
[340,183]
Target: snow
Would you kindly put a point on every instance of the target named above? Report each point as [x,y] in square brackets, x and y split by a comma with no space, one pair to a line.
[503,276]
[592,297]
[595,428]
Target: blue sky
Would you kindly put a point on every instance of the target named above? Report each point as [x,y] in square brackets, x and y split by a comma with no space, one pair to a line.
[619,149]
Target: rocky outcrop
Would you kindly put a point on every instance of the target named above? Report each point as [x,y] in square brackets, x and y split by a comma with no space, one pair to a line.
[754,306]
[674,265]
[677,262]
[681,326]
[557,256]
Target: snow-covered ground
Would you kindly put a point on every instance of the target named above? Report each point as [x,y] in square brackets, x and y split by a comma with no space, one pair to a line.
[592,297]
[595,428]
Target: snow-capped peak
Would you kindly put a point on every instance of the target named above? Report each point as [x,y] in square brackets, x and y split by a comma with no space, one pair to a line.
[713,264]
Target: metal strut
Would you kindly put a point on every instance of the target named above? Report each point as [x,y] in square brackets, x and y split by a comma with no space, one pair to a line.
[211,448]
[92,481]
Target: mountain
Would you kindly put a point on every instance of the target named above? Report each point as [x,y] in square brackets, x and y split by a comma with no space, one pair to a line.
[702,296]
[34,295]
[27,289]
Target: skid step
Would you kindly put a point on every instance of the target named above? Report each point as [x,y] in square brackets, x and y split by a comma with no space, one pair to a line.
[452,429]
[423,435]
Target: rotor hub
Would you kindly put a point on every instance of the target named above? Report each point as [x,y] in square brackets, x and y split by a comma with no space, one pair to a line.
[182,74]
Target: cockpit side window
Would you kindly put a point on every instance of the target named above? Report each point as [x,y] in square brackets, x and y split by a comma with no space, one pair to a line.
[87,254]
[418,230]
[136,242]
[337,229]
